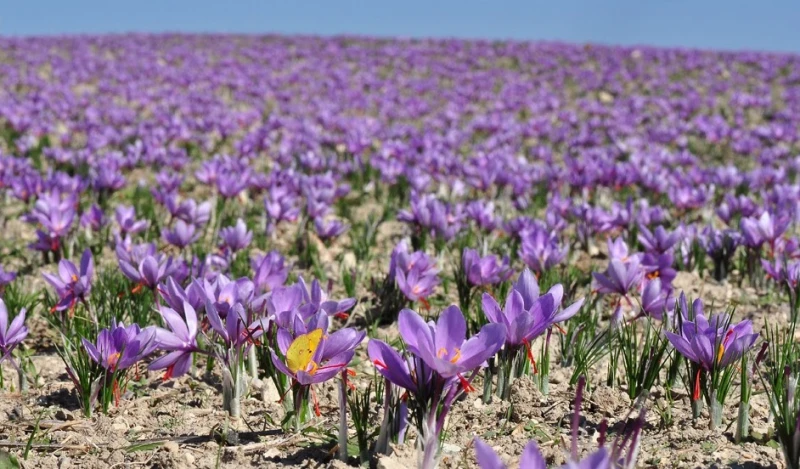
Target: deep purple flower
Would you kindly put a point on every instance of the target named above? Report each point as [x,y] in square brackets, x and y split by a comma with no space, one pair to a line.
[119,347]
[656,301]
[715,342]
[150,271]
[333,353]
[540,250]
[270,271]
[126,219]
[416,285]
[234,329]
[619,278]
[180,341]
[766,229]
[444,346]
[527,315]
[237,237]
[658,241]
[72,285]
[181,235]
[11,335]
[6,277]
[329,230]
[94,218]
[484,271]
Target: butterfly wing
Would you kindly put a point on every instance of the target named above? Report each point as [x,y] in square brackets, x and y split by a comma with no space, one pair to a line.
[302,349]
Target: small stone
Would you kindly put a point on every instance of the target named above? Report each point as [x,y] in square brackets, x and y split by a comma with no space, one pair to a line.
[451,448]
[64,462]
[478,403]
[387,462]
[272,453]
[189,458]
[171,447]
[118,427]
[64,415]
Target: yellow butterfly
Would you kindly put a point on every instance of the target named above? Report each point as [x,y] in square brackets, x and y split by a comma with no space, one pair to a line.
[302,350]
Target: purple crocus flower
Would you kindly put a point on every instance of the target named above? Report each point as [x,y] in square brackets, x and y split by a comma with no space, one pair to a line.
[235,238]
[767,228]
[527,315]
[94,218]
[318,298]
[656,301]
[119,347]
[658,241]
[235,331]
[487,459]
[416,286]
[333,353]
[175,296]
[620,277]
[150,271]
[180,341]
[484,271]
[126,219]
[181,235]
[713,342]
[329,230]
[444,346]
[271,271]
[72,285]
[6,277]
[11,335]
[540,249]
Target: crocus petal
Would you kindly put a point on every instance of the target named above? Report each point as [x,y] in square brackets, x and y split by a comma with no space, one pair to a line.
[390,364]
[451,330]
[415,332]
[487,458]
[482,346]
[531,457]
[528,287]
[682,345]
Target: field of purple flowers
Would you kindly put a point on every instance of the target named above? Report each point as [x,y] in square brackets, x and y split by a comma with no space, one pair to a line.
[265,251]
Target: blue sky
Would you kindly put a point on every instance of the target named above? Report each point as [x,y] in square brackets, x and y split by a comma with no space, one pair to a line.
[732,24]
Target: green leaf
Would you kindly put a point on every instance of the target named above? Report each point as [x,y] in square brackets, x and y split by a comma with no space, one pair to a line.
[144,446]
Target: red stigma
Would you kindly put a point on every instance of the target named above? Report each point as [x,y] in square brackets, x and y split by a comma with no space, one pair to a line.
[696,393]
[530,355]
[465,384]
[379,364]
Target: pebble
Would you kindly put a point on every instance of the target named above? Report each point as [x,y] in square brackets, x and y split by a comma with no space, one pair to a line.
[118,427]
[64,462]
[189,458]
[451,448]
[388,463]
[64,415]
[171,447]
